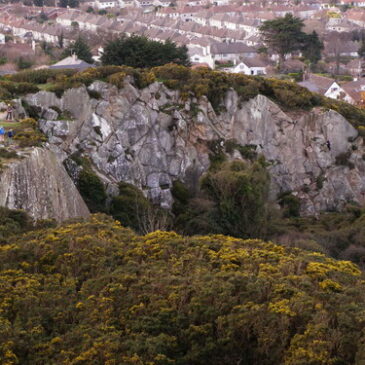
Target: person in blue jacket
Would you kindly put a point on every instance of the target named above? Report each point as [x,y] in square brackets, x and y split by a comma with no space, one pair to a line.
[2,133]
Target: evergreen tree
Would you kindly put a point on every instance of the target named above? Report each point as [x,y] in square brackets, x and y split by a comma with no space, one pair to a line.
[137,51]
[73,3]
[61,40]
[81,49]
[312,47]
[283,35]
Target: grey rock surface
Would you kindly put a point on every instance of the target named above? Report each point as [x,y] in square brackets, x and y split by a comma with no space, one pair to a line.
[151,137]
[39,184]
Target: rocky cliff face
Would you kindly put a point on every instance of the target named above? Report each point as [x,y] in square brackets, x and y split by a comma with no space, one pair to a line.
[38,183]
[150,138]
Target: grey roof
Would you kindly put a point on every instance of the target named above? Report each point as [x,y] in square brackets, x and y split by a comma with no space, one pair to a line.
[231,48]
[71,62]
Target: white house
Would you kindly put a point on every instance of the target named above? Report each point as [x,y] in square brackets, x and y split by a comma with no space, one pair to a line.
[327,87]
[249,67]
[199,56]
[106,4]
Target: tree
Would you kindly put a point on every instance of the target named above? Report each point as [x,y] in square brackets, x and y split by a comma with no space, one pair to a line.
[81,49]
[139,51]
[283,35]
[361,50]
[240,193]
[39,3]
[63,3]
[312,47]
[73,3]
[61,40]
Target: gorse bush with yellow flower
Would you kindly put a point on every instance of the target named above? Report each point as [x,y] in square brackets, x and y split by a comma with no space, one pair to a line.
[201,82]
[94,292]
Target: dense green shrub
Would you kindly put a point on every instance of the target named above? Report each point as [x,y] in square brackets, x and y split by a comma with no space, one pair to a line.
[134,210]
[4,94]
[5,153]
[94,94]
[93,292]
[89,185]
[40,76]
[290,204]
[13,222]
[18,88]
[32,111]
[117,79]
[60,87]
[28,134]
[344,159]
[240,194]
[129,206]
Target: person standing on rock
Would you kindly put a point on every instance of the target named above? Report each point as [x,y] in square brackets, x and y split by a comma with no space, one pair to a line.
[9,112]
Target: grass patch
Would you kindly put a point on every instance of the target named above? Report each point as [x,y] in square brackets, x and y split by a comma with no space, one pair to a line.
[12,125]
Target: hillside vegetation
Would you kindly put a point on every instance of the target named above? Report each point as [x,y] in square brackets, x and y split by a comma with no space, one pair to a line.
[96,293]
[199,82]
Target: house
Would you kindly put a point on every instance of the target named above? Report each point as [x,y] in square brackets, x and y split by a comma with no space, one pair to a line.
[249,66]
[327,87]
[292,65]
[337,47]
[71,62]
[356,89]
[355,67]
[234,52]
[356,3]
[13,51]
[199,56]
[105,4]
[340,25]
[356,16]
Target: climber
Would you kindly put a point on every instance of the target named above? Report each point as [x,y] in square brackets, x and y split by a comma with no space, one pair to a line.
[328,143]
[10,136]
[9,110]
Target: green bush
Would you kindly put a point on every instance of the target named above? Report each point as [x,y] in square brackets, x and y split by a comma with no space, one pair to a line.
[290,204]
[129,206]
[94,94]
[117,79]
[60,87]
[89,185]
[40,76]
[18,88]
[5,153]
[344,159]
[240,194]
[29,135]
[32,111]
[93,292]
[13,222]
